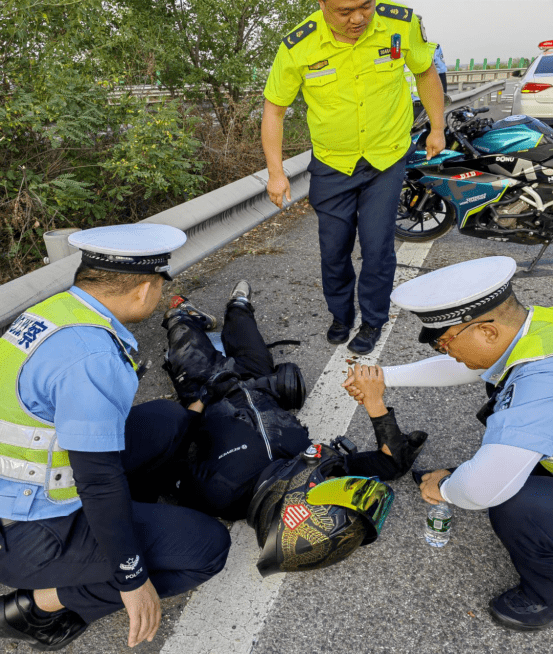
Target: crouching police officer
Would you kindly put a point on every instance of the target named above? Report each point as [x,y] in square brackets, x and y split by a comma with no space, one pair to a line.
[80,467]
[254,458]
[470,312]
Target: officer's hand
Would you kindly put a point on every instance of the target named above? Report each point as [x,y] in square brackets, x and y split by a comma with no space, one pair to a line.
[370,380]
[429,486]
[144,612]
[350,387]
[435,143]
[277,186]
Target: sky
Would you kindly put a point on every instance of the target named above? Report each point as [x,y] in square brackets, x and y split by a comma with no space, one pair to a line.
[486,28]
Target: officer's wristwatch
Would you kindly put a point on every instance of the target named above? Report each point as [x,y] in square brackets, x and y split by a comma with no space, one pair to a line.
[446,477]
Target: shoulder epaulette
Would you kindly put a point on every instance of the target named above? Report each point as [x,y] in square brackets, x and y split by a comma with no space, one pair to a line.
[298,34]
[392,11]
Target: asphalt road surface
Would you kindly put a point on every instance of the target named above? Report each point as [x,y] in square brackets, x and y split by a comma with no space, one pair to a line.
[397,595]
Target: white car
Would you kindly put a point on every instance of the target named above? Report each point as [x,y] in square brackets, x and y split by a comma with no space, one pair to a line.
[533,95]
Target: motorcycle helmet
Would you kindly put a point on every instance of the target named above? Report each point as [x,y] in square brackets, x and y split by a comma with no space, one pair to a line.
[310,514]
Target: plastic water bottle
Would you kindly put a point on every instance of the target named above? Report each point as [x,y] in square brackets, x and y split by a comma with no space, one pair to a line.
[438,525]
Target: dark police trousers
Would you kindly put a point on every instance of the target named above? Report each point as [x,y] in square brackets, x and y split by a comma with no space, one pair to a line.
[182,547]
[366,202]
[524,523]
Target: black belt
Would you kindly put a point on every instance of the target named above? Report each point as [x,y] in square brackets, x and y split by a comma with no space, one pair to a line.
[6,522]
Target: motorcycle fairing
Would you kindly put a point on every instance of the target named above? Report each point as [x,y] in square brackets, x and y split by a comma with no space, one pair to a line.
[468,197]
[513,166]
[418,158]
[508,139]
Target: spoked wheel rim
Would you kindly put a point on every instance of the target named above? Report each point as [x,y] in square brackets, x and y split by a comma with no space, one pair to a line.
[436,221]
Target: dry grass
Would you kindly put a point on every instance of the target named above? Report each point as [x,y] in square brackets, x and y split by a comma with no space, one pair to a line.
[262,240]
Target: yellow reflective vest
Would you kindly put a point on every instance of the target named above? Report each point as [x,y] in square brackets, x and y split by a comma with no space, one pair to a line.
[536,343]
[29,450]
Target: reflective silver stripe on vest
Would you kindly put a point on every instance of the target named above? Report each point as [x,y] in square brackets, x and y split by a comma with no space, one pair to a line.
[22,471]
[26,437]
[33,473]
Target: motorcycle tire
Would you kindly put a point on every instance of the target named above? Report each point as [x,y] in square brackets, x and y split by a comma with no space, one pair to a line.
[437,219]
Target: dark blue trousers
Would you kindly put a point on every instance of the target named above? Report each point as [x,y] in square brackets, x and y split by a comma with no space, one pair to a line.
[182,547]
[524,523]
[367,203]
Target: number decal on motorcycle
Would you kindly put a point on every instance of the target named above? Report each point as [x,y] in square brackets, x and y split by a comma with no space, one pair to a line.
[464,176]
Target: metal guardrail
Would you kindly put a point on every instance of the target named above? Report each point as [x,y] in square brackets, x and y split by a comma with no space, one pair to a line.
[478,76]
[210,222]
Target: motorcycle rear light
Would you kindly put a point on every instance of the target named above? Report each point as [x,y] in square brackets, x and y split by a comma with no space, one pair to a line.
[534,87]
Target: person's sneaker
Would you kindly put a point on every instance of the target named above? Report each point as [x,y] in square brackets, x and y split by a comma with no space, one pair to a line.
[242,292]
[514,610]
[180,304]
[337,333]
[365,340]
[18,621]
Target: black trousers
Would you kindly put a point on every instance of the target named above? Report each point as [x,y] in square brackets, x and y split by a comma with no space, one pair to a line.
[182,547]
[366,203]
[524,523]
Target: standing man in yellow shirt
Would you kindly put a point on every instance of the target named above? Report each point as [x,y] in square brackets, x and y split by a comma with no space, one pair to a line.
[348,60]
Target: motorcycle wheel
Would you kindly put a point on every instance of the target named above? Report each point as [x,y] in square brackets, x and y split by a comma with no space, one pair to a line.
[437,219]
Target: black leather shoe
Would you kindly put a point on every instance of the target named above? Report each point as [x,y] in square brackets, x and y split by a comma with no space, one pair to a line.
[365,340]
[17,621]
[514,610]
[337,333]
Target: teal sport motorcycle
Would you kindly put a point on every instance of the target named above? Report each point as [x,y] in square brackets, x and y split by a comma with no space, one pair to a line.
[494,180]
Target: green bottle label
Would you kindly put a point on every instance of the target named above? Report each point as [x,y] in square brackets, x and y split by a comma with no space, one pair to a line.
[438,525]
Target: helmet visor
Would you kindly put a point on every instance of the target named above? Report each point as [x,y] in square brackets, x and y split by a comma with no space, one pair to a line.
[367,496]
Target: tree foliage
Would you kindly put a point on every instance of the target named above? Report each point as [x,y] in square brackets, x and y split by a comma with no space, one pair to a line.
[216,48]
[71,155]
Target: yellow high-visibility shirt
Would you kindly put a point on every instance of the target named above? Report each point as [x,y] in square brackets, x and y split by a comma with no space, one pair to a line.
[358,101]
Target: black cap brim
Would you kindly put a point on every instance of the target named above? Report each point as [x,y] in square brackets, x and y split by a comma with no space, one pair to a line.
[428,335]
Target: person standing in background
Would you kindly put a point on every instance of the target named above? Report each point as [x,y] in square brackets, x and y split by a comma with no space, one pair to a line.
[348,60]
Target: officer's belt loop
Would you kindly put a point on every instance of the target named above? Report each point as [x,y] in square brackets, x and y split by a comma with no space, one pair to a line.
[5,523]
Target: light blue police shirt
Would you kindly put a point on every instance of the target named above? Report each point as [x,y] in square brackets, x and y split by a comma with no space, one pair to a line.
[523,412]
[79,380]
[439,60]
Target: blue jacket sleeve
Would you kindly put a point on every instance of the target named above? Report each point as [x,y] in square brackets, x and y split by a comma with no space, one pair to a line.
[104,493]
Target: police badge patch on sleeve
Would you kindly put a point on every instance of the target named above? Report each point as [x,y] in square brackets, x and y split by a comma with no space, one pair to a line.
[506,398]
[423,31]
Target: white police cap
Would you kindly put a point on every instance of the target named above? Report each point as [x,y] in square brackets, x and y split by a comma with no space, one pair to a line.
[456,294]
[135,248]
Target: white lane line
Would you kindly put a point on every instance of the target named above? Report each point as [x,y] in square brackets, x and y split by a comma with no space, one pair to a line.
[226,613]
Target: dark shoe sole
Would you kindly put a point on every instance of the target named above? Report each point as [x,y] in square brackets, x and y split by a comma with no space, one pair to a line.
[361,352]
[337,342]
[513,624]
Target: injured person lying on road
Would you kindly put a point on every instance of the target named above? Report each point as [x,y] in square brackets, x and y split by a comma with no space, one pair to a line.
[310,504]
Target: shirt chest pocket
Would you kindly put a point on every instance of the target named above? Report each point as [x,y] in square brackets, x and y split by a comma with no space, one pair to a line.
[389,72]
[322,85]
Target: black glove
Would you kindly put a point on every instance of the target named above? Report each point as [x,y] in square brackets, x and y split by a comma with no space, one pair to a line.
[404,447]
